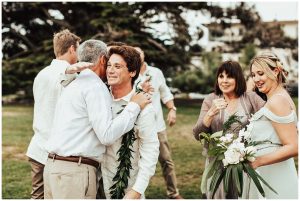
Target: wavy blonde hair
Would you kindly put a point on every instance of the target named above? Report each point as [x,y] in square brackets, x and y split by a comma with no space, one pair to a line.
[268,62]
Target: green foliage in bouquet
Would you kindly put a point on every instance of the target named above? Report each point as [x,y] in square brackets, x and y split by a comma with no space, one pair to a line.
[231,151]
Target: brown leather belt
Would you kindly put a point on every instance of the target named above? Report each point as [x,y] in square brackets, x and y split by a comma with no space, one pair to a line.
[75,159]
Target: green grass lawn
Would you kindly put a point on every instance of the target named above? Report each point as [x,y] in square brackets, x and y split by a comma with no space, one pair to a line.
[17,132]
[186,153]
[16,135]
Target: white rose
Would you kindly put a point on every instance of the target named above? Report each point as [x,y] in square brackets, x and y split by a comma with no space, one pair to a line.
[232,156]
[239,146]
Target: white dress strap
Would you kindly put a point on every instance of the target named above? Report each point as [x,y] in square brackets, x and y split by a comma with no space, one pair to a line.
[279,119]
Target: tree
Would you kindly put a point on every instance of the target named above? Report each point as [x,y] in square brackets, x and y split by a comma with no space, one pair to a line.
[200,80]
[28,27]
[248,53]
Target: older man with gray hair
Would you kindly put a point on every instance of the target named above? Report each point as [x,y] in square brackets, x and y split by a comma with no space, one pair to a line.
[82,127]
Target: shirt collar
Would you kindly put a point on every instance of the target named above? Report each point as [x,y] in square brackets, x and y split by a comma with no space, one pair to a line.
[124,98]
[59,62]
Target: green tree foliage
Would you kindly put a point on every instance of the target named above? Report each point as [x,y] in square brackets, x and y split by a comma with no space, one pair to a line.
[248,52]
[28,28]
[200,80]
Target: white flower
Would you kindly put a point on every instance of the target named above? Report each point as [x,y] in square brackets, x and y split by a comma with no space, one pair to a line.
[237,145]
[232,156]
[244,133]
[251,150]
[251,158]
[227,138]
[225,163]
[229,135]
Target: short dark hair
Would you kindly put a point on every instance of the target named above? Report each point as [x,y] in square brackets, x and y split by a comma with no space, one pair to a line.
[131,56]
[234,70]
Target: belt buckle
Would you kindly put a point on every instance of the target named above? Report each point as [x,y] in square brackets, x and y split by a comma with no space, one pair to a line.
[79,161]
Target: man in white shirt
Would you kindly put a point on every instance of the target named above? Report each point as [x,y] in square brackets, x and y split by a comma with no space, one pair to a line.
[161,92]
[122,69]
[82,127]
[46,90]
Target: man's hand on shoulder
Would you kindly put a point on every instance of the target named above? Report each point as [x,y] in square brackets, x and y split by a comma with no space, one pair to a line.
[78,67]
[142,99]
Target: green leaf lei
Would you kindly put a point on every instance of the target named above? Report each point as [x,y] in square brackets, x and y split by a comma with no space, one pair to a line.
[117,190]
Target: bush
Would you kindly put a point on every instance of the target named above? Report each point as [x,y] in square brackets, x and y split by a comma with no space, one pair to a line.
[200,80]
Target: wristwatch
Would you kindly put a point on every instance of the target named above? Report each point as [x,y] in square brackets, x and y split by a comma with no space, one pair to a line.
[173,108]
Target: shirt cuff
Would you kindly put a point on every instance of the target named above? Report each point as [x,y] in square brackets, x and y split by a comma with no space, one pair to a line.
[141,184]
[133,107]
[168,98]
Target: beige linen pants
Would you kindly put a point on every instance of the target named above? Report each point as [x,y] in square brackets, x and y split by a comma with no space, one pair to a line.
[37,170]
[167,164]
[69,180]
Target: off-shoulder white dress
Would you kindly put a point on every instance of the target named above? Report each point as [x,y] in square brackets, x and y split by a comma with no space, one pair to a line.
[282,176]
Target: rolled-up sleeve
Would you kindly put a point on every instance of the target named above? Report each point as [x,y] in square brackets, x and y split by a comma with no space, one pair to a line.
[164,90]
[148,148]
[66,79]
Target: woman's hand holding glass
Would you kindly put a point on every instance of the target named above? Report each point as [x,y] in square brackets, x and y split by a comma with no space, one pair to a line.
[217,105]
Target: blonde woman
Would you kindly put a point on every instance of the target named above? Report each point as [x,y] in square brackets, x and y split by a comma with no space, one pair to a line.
[276,122]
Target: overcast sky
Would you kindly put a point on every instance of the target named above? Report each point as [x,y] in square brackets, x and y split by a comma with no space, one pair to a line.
[270,10]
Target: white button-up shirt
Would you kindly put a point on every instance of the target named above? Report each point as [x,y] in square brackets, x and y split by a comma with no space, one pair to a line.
[145,150]
[161,92]
[83,122]
[46,90]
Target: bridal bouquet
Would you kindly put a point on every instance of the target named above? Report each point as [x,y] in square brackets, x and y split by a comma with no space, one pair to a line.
[231,151]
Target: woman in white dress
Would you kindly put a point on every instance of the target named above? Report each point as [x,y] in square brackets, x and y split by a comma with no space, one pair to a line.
[276,122]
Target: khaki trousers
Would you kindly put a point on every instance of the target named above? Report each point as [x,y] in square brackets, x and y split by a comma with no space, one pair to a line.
[37,182]
[69,180]
[167,165]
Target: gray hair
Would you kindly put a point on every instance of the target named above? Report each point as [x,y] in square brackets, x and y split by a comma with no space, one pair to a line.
[91,51]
